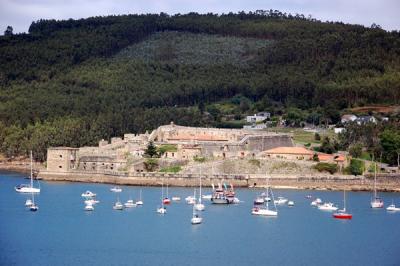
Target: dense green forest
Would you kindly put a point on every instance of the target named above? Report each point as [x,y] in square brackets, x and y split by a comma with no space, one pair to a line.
[74,82]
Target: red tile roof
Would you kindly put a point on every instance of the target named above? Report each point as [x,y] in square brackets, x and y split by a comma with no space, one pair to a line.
[290,150]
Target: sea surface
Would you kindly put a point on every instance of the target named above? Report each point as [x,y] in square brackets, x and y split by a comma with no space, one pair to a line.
[62,233]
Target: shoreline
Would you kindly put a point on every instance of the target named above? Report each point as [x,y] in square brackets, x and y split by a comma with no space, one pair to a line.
[319,183]
[310,183]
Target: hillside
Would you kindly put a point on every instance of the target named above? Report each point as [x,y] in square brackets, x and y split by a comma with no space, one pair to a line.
[74,82]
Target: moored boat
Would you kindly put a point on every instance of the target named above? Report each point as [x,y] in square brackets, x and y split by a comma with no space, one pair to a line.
[376,202]
[88,194]
[129,204]
[28,203]
[259,200]
[316,202]
[140,201]
[116,189]
[328,206]
[392,207]
[89,207]
[118,205]
[28,188]
[342,214]
[280,200]
[264,210]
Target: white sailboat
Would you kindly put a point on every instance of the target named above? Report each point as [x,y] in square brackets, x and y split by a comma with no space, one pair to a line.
[199,206]
[28,188]
[196,219]
[118,205]
[376,202]
[264,210]
[140,201]
[162,209]
[33,206]
[129,203]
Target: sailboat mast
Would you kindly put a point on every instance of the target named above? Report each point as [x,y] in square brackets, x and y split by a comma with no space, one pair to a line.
[31,172]
[200,187]
[375,181]
[344,200]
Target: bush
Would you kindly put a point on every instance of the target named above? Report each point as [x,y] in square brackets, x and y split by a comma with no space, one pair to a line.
[317,137]
[326,167]
[356,167]
[199,159]
[151,164]
[167,148]
[355,150]
[315,157]
[171,169]
[255,162]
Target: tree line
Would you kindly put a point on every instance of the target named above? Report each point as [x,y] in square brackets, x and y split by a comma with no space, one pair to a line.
[64,75]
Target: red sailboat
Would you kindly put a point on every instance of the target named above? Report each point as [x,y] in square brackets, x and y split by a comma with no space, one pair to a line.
[342,214]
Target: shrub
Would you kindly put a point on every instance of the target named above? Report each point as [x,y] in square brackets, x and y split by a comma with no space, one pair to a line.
[199,159]
[255,162]
[167,148]
[150,164]
[356,167]
[326,167]
[171,169]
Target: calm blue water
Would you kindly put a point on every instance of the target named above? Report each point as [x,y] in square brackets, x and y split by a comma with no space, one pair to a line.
[62,233]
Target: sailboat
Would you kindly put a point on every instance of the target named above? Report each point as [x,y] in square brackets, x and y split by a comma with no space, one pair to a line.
[264,210]
[376,202]
[196,219]
[162,209]
[199,206]
[140,202]
[118,205]
[166,200]
[33,206]
[28,188]
[129,203]
[342,214]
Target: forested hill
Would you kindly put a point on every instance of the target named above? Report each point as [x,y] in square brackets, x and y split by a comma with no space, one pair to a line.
[74,82]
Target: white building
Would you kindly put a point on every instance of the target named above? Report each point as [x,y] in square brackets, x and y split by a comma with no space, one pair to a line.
[258,117]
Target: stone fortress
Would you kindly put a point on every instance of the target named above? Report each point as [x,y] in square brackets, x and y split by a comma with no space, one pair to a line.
[125,155]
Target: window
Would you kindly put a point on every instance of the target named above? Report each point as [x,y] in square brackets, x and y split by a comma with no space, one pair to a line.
[59,166]
[60,155]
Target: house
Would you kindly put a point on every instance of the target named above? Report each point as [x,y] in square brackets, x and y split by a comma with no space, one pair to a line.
[365,119]
[291,153]
[348,118]
[259,117]
[338,130]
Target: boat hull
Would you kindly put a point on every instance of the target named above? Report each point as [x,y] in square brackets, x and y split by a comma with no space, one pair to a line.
[219,201]
[27,189]
[344,216]
[196,220]
[376,204]
[264,212]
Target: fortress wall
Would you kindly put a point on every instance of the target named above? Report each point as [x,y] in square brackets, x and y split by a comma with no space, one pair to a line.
[262,143]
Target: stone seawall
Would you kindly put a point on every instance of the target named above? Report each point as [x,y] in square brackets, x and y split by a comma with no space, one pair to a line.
[329,182]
